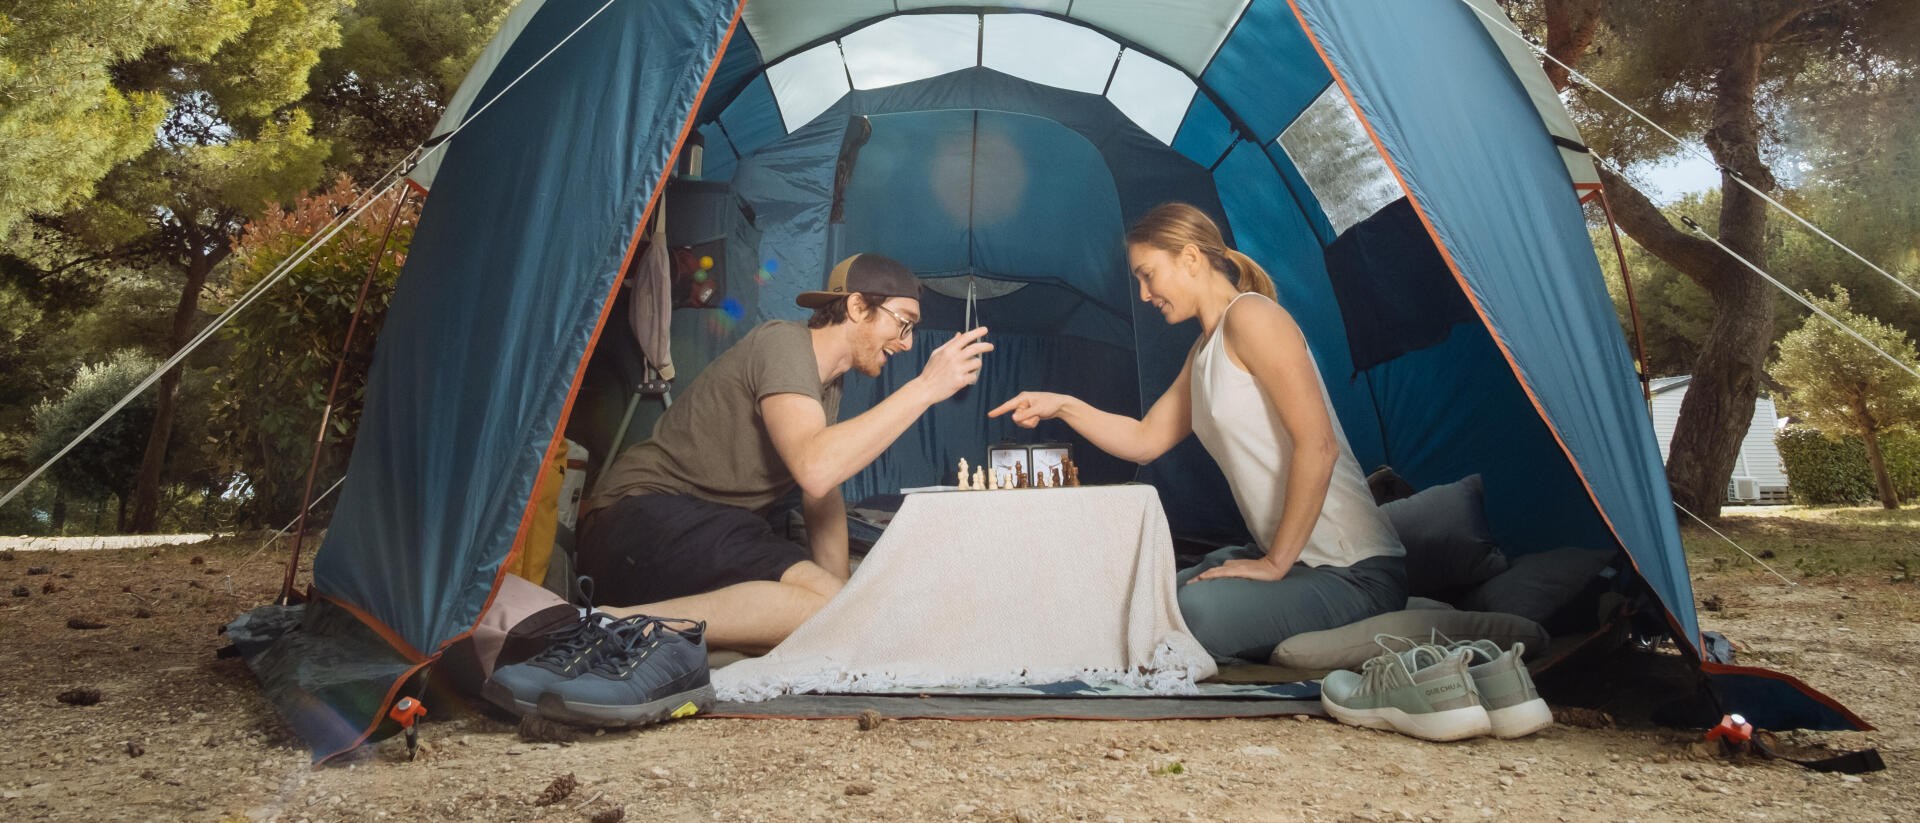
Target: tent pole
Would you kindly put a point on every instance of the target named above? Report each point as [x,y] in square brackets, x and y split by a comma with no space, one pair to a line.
[1633,305]
[326,415]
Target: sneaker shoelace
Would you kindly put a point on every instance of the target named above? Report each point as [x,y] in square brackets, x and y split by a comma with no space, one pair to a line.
[635,640]
[566,645]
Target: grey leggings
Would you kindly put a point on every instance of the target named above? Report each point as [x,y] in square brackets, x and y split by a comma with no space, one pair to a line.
[1238,619]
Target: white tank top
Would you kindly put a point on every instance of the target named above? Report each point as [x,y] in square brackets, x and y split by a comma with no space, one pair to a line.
[1242,430]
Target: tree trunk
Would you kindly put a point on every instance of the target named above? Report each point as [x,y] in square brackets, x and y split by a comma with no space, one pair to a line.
[146,494]
[1889,499]
[1570,28]
[59,509]
[1718,409]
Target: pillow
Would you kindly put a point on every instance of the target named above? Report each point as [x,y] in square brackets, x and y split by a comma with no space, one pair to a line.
[1449,547]
[1351,645]
[1387,486]
[1537,585]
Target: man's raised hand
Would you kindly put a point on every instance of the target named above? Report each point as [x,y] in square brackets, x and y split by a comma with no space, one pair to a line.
[956,364]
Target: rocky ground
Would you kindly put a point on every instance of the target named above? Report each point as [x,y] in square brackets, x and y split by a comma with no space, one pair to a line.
[176,734]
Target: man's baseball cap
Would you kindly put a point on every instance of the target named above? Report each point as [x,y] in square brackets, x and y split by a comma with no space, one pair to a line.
[864,274]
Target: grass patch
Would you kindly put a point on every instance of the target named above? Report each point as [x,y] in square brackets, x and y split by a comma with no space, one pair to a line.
[1854,545]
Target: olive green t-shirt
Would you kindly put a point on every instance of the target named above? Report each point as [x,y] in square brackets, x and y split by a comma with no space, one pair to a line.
[711,443]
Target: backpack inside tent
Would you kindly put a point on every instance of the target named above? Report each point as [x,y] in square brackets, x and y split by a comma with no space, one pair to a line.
[1402,169]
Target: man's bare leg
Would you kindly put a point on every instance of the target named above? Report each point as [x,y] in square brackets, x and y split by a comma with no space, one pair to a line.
[750,617]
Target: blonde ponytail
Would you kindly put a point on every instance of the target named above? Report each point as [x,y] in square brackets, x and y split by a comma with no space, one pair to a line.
[1252,277]
[1171,227]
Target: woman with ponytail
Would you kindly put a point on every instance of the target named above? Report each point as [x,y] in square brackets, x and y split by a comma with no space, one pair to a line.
[1327,555]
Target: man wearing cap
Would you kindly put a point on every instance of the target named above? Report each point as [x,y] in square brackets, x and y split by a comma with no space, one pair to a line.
[677,526]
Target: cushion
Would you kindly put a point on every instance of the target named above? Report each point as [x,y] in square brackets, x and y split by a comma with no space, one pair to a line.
[1536,585]
[1387,486]
[1449,546]
[1350,645]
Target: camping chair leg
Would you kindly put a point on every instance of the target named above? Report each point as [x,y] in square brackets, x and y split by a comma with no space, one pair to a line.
[619,434]
[626,420]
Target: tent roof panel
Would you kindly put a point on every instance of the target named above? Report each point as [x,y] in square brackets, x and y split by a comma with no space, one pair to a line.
[911,47]
[808,83]
[780,27]
[1186,33]
[1049,51]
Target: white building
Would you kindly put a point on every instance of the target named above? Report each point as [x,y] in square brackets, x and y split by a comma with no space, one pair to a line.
[1759,475]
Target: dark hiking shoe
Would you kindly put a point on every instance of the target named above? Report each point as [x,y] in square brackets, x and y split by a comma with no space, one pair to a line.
[570,652]
[660,673]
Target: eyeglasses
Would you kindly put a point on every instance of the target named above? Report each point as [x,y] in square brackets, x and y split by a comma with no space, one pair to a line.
[906,326]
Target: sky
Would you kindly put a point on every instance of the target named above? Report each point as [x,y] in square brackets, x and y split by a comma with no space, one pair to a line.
[1680,176]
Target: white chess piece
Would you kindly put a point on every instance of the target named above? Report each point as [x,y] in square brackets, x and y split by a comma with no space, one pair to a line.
[980,478]
[963,473]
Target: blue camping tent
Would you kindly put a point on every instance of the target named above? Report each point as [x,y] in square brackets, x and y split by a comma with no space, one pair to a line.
[1403,171]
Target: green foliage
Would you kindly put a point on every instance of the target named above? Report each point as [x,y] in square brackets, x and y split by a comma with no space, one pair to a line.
[1836,383]
[66,123]
[379,93]
[269,396]
[1824,470]
[89,81]
[103,465]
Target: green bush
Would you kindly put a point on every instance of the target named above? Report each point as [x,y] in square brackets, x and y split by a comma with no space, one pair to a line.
[268,399]
[1824,471]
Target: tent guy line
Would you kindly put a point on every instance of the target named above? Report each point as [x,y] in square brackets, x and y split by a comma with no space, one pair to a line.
[1691,149]
[1797,296]
[387,182]
[205,334]
[1743,549]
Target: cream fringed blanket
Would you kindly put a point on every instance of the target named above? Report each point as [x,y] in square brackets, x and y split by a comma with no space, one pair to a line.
[972,589]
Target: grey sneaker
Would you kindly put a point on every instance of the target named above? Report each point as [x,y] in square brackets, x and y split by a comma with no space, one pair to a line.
[659,673]
[1424,692]
[570,652]
[1513,706]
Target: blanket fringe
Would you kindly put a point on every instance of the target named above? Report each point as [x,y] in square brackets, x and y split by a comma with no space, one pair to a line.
[1175,668]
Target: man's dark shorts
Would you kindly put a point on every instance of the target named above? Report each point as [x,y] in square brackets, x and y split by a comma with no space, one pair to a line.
[653,547]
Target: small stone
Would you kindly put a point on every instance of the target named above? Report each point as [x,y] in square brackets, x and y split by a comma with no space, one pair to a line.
[1852,778]
[1023,816]
[870,720]
[197,561]
[1116,754]
[1303,717]
[964,809]
[22,591]
[1506,782]
[1261,751]
[611,814]
[39,570]
[922,745]
[859,789]
[1661,758]
[79,697]
[134,749]
[659,773]
[84,624]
